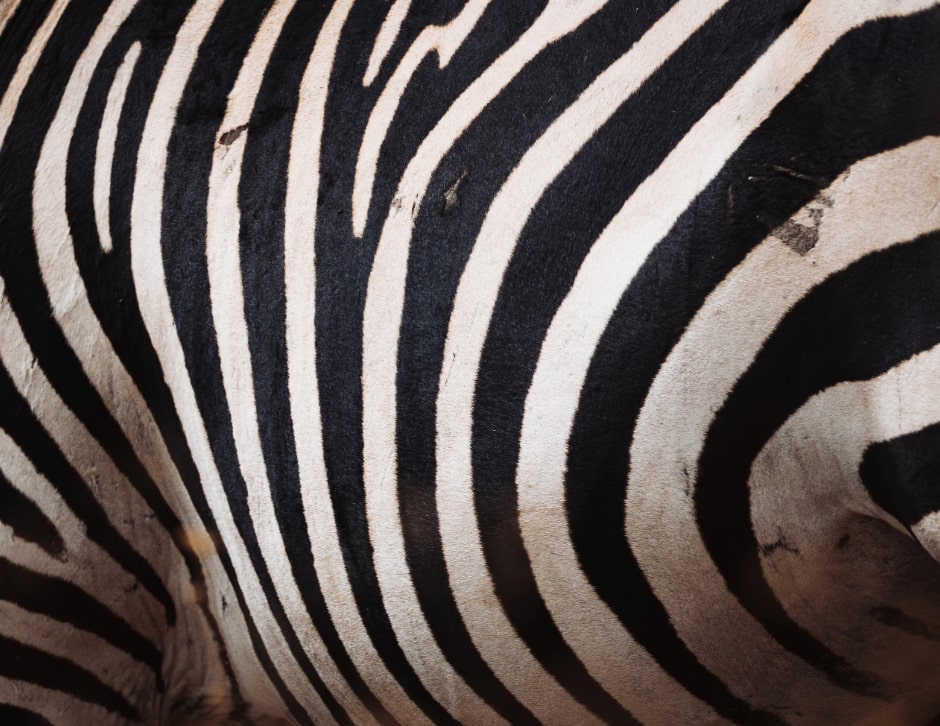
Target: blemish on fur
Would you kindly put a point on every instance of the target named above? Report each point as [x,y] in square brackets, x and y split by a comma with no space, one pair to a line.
[798,237]
[450,195]
[894,618]
[801,233]
[794,174]
[843,541]
[779,544]
[229,137]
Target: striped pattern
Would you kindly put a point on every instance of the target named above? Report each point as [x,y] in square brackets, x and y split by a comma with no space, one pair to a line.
[482,362]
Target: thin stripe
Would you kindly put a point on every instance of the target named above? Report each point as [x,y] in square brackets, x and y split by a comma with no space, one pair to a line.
[384,41]
[104,149]
[154,304]
[381,326]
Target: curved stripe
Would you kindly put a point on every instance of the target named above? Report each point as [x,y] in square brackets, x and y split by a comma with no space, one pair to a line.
[87,564]
[26,663]
[26,66]
[107,138]
[77,320]
[718,345]
[226,293]
[442,39]
[843,421]
[65,602]
[28,522]
[100,657]
[61,448]
[556,569]
[381,326]
[384,40]
[50,706]
[303,180]
[7,10]
[154,303]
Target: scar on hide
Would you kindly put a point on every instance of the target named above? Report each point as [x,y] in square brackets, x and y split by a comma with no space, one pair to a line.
[894,618]
[229,137]
[450,196]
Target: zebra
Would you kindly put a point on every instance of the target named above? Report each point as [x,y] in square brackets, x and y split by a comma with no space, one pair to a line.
[558,362]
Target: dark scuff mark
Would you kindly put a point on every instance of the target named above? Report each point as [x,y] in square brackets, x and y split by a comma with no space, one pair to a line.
[229,137]
[779,544]
[450,196]
[798,237]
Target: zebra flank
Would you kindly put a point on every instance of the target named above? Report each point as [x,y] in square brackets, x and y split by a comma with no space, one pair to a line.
[469,362]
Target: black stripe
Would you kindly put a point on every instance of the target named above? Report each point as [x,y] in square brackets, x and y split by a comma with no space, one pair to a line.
[17,419]
[63,601]
[17,35]
[27,520]
[20,716]
[19,267]
[25,663]
[262,193]
[481,159]
[903,475]
[565,223]
[851,106]
[854,326]
[189,160]
[109,283]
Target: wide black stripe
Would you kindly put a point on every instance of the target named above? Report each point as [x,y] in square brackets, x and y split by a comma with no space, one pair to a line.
[343,267]
[873,90]
[262,193]
[567,220]
[444,234]
[854,326]
[20,716]
[27,520]
[17,35]
[22,662]
[189,160]
[903,475]
[67,603]
[109,282]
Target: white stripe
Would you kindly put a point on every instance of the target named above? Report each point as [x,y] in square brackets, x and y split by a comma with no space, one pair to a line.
[56,707]
[445,40]
[828,436]
[77,446]
[84,563]
[81,328]
[595,634]
[880,201]
[154,302]
[107,138]
[303,181]
[228,305]
[109,664]
[26,66]
[385,39]
[381,325]
[7,9]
